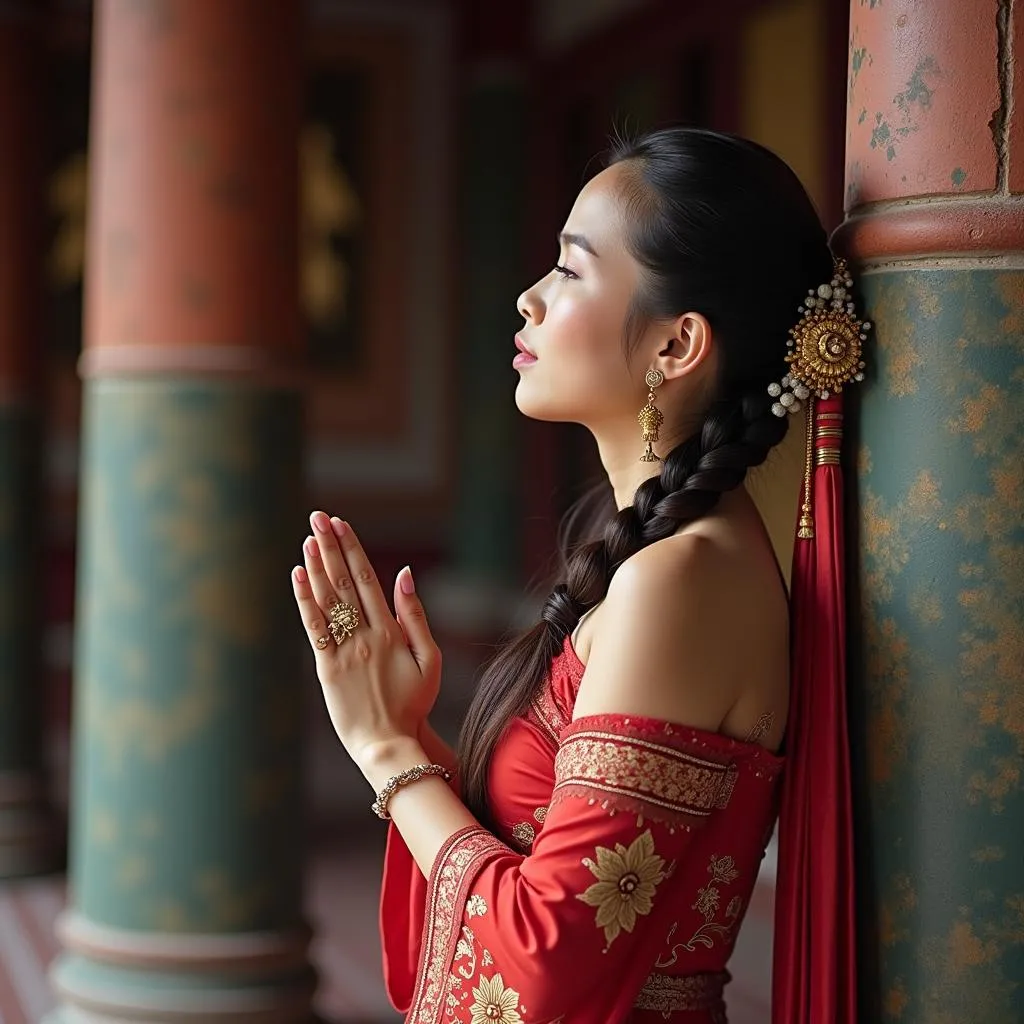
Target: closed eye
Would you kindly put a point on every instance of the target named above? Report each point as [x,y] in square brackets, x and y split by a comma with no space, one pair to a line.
[565,272]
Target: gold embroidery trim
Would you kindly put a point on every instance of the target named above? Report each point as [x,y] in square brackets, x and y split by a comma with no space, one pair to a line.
[667,993]
[635,771]
[546,713]
[453,874]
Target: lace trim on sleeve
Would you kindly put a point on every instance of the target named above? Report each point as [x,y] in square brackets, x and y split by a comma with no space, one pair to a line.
[654,774]
[450,882]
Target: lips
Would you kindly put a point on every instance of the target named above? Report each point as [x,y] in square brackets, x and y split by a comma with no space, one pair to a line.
[521,345]
[525,357]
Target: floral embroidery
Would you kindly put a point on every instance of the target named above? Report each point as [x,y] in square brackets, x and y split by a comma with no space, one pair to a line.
[487,958]
[707,901]
[667,994]
[464,950]
[723,869]
[723,872]
[635,774]
[450,879]
[540,814]
[476,906]
[495,1004]
[626,882]
[524,834]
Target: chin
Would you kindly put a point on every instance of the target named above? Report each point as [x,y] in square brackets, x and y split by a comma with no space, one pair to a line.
[538,404]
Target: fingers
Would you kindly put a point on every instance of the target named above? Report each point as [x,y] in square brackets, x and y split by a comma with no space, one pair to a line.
[371,597]
[337,576]
[323,591]
[312,615]
[414,620]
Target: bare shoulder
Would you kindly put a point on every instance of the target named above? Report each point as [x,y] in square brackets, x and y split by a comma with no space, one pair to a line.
[673,640]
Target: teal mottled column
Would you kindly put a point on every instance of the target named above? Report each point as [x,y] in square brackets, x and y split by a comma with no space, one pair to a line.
[482,587]
[937,630]
[29,840]
[186,830]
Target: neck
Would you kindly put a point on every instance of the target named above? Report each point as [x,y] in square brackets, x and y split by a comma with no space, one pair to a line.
[620,451]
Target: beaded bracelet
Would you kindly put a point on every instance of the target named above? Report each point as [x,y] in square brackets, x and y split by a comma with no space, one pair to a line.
[420,771]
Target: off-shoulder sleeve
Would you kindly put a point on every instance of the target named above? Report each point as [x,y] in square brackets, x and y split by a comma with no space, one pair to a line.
[532,938]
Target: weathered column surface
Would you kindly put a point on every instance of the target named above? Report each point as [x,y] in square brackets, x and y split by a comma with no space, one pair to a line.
[935,172]
[185,843]
[29,841]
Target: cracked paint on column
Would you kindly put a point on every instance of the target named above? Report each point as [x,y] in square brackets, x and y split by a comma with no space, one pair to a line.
[923,112]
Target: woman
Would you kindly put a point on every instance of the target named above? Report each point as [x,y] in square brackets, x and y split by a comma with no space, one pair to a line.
[619,769]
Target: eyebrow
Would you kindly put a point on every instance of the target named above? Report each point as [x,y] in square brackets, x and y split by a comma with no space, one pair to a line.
[578,240]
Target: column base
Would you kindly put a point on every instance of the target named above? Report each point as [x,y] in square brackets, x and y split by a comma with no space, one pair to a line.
[32,840]
[116,976]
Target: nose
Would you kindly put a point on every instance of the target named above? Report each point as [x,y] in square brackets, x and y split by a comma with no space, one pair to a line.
[530,305]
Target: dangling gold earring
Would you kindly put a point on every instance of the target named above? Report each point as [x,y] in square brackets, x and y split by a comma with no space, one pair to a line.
[650,415]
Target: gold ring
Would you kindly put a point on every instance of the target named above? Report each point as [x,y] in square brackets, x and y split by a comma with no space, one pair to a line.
[321,642]
[344,621]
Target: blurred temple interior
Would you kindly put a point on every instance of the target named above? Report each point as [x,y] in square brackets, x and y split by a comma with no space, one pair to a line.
[260,258]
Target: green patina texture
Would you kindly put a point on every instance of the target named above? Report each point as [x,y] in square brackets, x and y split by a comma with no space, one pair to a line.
[187,684]
[937,644]
[887,134]
[21,619]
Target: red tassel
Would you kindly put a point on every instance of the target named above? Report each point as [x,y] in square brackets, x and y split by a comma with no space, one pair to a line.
[815,971]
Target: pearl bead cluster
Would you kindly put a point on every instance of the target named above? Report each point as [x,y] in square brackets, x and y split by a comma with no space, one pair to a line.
[792,391]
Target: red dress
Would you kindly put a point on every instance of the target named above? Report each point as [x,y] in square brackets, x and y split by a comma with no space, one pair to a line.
[626,852]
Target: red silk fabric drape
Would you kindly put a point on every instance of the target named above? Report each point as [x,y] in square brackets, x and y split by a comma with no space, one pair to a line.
[814,972]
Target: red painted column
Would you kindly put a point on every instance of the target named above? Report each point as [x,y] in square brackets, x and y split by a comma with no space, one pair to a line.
[28,837]
[186,812]
[934,183]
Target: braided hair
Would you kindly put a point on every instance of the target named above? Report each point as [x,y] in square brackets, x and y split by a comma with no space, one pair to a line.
[721,226]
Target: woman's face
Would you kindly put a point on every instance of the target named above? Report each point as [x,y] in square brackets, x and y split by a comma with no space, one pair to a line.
[575,318]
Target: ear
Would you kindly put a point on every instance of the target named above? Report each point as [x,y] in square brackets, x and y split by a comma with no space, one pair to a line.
[686,346]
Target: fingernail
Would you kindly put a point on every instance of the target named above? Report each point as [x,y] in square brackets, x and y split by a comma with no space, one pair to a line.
[406,582]
[311,547]
[299,573]
[320,522]
[339,526]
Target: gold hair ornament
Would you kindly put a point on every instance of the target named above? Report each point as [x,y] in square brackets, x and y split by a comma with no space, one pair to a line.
[650,416]
[825,350]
